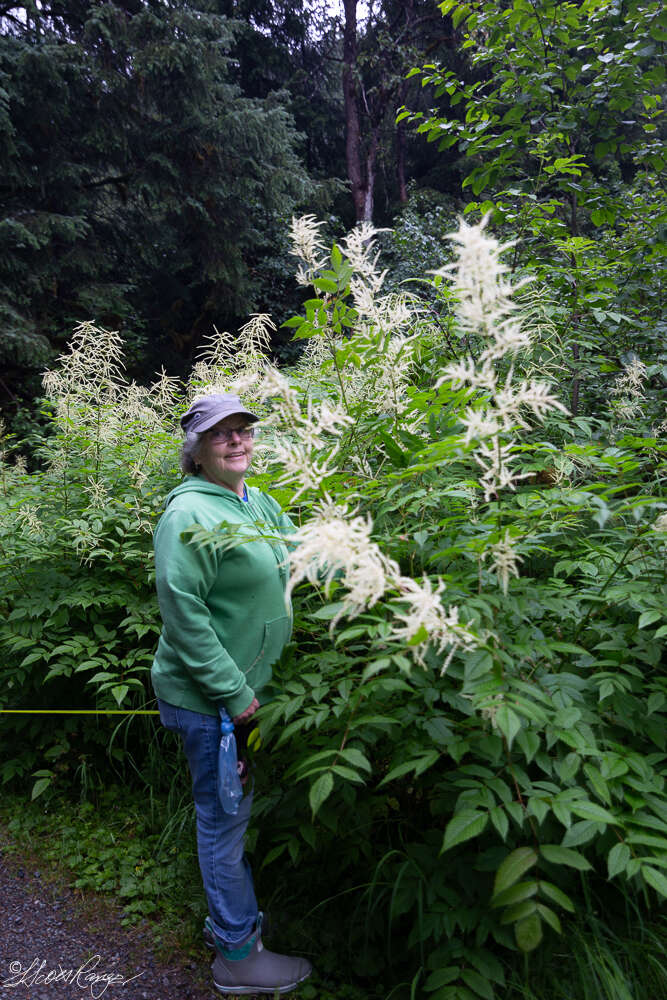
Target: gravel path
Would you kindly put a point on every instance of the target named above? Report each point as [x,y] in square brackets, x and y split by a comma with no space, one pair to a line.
[80,947]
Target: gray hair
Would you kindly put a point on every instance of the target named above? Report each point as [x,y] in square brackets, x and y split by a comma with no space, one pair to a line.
[189,451]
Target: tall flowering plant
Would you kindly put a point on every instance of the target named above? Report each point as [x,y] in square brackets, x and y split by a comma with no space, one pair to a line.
[484,716]
[452,517]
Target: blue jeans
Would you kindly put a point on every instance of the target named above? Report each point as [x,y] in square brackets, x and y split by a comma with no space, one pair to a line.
[225,870]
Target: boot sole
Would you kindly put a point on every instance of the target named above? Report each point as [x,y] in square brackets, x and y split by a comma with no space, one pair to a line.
[240,990]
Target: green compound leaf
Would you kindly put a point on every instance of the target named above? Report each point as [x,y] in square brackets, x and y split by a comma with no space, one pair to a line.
[590,810]
[654,878]
[320,791]
[556,895]
[528,932]
[617,860]
[463,826]
[508,723]
[515,894]
[519,912]
[564,856]
[550,917]
[479,984]
[513,867]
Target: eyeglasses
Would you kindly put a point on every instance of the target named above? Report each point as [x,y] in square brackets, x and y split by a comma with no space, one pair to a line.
[226,433]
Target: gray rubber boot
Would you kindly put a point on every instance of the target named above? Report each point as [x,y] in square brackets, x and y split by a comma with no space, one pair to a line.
[251,968]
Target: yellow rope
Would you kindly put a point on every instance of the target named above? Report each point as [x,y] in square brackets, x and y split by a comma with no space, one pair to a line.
[75,711]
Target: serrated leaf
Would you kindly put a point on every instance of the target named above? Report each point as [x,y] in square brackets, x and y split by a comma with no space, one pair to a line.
[556,895]
[538,808]
[328,612]
[40,786]
[508,723]
[529,743]
[347,774]
[648,617]
[463,826]
[558,855]
[617,859]
[591,810]
[568,767]
[441,977]
[515,894]
[500,821]
[438,730]
[550,917]
[513,867]
[479,984]
[656,701]
[580,833]
[654,878]
[417,764]
[119,691]
[528,932]
[356,758]
[320,791]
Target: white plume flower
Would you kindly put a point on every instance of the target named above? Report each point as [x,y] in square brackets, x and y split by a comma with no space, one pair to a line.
[98,493]
[29,521]
[426,616]
[484,307]
[334,543]
[505,559]
[629,390]
[92,369]
[307,246]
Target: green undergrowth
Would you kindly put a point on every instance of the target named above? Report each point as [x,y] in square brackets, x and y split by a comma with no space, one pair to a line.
[115,845]
[140,853]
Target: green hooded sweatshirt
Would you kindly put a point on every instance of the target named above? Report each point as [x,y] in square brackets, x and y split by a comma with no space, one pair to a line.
[225,618]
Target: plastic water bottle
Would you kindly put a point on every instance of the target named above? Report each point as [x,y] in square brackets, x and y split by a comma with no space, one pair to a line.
[230,791]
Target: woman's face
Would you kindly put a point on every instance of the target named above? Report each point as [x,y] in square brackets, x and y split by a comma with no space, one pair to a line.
[226,450]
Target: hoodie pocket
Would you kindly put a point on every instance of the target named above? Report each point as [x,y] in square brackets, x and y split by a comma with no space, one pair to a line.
[276,634]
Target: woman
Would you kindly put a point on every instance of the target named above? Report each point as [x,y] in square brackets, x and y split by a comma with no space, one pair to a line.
[225,622]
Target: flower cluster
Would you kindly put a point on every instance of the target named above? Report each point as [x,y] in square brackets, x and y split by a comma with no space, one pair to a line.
[299,437]
[336,544]
[29,521]
[505,559]
[307,246]
[661,523]
[628,391]
[426,623]
[91,371]
[91,392]
[484,306]
[231,363]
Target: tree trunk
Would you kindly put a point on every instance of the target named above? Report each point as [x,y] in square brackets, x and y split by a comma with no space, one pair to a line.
[400,151]
[362,190]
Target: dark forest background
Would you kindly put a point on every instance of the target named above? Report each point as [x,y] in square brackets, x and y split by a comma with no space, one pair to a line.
[153,153]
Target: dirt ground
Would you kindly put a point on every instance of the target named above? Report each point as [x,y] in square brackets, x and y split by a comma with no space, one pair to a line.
[57,945]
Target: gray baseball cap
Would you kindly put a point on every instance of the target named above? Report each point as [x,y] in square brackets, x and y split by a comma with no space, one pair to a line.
[207,411]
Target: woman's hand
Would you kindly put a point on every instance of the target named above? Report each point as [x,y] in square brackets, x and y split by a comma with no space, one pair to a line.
[238,720]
